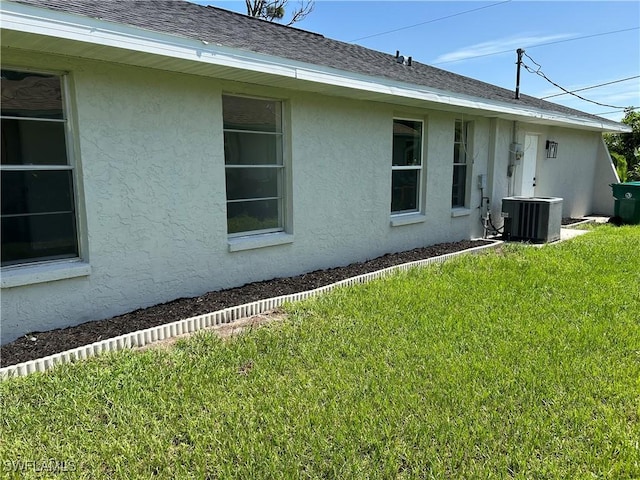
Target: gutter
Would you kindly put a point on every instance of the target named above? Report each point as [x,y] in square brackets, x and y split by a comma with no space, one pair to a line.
[87,30]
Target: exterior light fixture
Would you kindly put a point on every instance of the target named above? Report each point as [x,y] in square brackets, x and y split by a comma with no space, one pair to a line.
[552,149]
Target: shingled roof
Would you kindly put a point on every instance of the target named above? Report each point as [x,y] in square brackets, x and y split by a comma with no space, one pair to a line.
[217,26]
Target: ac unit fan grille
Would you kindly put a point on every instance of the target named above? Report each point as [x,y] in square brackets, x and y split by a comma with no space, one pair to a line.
[528,220]
[535,219]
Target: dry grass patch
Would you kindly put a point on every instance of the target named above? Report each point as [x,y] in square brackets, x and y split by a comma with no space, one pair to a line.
[225,330]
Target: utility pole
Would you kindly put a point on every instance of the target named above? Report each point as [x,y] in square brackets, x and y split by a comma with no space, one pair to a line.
[519,63]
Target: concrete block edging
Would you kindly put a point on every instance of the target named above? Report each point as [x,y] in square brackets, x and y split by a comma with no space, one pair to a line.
[151,335]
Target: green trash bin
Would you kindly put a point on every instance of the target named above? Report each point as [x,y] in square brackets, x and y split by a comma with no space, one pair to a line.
[627,206]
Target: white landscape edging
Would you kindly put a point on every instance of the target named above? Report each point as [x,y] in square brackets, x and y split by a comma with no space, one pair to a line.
[151,335]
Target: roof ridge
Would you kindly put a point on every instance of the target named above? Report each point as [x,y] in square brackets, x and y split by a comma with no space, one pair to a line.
[213,24]
[246,16]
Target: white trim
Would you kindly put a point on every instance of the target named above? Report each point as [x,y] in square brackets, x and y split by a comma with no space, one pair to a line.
[70,166]
[406,167]
[418,168]
[468,160]
[282,189]
[42,272]
[250,242]
[407,219]
[419,92]
[31,119]
[460,212]
[30,167]
[39,21]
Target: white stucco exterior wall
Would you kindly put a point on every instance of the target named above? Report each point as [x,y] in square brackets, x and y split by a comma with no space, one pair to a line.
[577,174]
[605,175]
[151,184]
[500,184]
[571,174]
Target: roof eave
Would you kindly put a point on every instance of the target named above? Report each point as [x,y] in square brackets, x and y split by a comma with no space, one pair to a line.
[278,71]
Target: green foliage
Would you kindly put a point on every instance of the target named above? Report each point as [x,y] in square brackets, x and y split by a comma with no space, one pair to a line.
[627,145]
[621,165]
[274,10]
[523,363]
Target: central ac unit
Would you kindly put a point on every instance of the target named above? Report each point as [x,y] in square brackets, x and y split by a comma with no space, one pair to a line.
[533,219]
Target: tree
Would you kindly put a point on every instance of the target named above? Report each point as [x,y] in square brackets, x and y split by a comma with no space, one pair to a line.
[621,166]
[627,146]
[274,10]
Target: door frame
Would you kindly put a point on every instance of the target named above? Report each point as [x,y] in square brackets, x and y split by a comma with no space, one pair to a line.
[525,184]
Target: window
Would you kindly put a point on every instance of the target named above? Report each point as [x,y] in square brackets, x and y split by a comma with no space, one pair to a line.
[460,158]
[38,210]
[406,166]
[254,166]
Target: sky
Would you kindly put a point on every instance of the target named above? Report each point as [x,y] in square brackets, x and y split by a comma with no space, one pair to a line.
[575,44]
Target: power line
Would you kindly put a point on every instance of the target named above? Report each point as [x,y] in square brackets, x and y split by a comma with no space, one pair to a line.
[430,21]
[540,73]
[542,45]
[617,111]
[589,88]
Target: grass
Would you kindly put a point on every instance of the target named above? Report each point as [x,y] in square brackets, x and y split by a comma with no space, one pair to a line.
[519,364]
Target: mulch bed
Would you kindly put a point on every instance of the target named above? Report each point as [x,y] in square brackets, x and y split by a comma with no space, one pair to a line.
[40,344]
[571,221]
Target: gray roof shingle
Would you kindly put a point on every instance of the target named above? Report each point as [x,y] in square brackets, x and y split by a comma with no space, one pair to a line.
[230,29]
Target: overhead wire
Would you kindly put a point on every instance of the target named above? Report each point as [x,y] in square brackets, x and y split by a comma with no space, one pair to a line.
[537,71]
[540,73]
[618,111]
[541,45]
[430,21]
[590,87]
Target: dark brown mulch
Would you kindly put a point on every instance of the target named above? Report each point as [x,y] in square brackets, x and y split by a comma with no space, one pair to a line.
[40,344]
[570,221]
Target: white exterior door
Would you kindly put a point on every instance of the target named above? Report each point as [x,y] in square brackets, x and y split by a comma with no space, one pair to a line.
[526,181]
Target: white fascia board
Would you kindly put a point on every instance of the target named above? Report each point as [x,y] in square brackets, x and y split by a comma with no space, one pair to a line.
[52,23]
[390,87]
[40,21]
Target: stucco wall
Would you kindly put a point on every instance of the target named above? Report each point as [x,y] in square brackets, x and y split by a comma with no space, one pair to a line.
[146,188]
[571,174]
[580,174]
[605,175]
[151,185]
[150,166]
[500,183]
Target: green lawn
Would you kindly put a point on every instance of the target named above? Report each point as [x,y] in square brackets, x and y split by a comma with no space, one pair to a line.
[523,363]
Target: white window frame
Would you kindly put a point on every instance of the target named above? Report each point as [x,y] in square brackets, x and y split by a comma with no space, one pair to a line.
[465,152]
[419,168]
[282,179]
[50,269]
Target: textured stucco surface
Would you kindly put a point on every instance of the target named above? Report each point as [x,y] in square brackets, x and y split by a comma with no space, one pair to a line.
[149,148]
[579,174]
[605,175]
[570,175]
